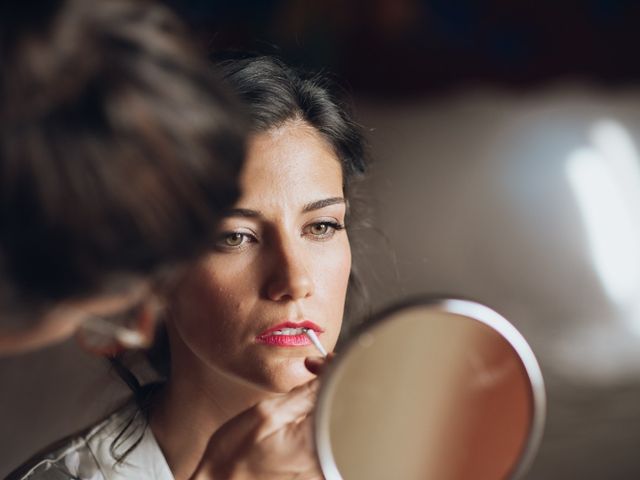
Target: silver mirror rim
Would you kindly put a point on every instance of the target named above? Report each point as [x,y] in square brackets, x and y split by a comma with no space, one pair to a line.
[467,308]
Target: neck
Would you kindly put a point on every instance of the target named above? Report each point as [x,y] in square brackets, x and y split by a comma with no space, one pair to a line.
[191,407]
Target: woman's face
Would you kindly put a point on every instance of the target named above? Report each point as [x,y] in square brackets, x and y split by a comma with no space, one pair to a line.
[281,262]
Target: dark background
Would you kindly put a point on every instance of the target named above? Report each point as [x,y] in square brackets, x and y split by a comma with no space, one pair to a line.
[401,48]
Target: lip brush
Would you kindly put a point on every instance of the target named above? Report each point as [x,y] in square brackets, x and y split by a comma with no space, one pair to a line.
[314,339]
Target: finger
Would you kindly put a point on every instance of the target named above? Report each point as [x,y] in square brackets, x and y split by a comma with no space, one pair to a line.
[318,365]
[315,364]
[296,442]
[270,415]
[291,406]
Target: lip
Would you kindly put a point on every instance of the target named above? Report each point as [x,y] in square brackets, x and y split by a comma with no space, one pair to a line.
[300,340]
[305,324]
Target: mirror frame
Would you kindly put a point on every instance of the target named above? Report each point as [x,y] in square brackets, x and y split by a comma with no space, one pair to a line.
[450,305]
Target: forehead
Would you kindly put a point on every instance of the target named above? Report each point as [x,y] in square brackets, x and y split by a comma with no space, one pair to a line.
[293,159]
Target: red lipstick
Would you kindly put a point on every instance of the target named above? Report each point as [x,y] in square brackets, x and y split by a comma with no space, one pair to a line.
[288,334]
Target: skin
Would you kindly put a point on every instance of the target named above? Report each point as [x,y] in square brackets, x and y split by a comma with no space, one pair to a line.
[66,318]
[281,255]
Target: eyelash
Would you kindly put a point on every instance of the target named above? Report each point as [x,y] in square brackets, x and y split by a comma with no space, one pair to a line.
[332,227]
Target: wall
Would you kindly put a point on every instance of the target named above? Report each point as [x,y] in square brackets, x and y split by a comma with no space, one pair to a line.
[470,196]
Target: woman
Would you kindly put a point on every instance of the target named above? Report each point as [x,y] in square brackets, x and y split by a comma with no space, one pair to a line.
[281,263]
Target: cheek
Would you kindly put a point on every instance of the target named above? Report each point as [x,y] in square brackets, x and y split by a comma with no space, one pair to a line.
[336,267]
[343,271]
[343,266]
[205,306]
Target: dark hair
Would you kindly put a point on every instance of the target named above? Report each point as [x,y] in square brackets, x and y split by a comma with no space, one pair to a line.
[118,148]
[274,93]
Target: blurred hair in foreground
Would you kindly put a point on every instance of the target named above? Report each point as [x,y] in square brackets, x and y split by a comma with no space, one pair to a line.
[118,149]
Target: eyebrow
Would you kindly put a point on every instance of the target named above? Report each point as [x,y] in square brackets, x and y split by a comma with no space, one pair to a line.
[242,212]
[309,207]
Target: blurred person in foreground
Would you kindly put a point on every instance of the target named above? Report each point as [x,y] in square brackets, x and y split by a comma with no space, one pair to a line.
[118,153]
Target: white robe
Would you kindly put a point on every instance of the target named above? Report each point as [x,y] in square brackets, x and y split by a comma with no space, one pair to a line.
[88,456]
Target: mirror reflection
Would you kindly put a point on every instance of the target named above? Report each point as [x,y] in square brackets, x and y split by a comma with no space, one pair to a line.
[434,390]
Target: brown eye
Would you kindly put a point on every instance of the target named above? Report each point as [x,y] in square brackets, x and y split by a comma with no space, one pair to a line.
[234,239]
[231,241]
[322,230]
[319,229]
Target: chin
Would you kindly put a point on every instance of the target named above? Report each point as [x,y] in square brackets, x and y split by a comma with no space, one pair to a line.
[287,376]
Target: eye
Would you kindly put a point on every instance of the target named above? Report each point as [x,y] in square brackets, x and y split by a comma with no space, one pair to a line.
[323,230]
[319,229]
[234,240]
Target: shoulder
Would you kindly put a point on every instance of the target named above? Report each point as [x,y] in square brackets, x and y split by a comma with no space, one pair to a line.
[69,458]
[120,447]
[126,448]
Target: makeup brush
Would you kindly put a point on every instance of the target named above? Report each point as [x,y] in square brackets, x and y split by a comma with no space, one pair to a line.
[314,339]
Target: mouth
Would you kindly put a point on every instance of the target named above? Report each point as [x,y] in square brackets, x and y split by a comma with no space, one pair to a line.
[289,334]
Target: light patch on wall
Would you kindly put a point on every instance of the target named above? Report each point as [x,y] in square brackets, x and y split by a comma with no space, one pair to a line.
[605,178]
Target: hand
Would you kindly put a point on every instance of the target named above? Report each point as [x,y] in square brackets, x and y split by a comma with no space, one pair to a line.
[273,440]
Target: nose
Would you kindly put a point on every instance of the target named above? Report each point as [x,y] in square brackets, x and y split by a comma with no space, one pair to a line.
[290,277]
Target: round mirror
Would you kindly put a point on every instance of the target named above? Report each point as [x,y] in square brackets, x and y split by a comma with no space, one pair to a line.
[433,389]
